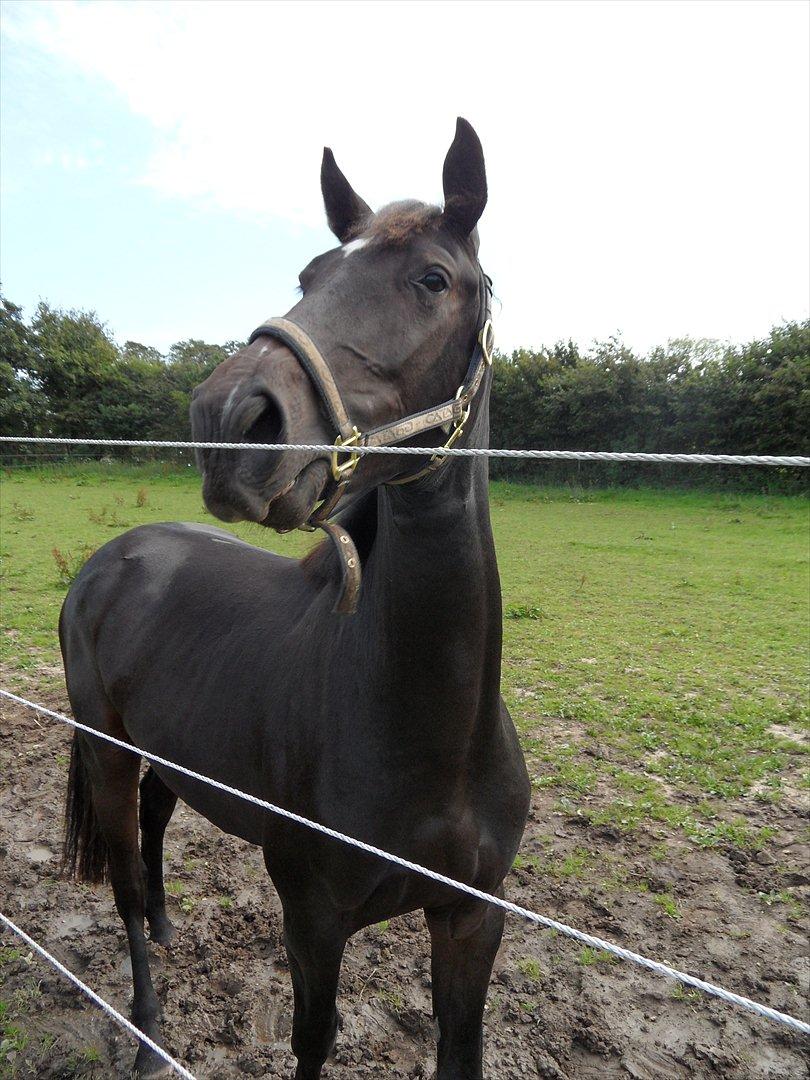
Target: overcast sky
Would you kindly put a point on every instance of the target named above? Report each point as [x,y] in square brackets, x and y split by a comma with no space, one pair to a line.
[648,161]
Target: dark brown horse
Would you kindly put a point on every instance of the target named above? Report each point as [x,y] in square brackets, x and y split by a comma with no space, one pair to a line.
[387,724]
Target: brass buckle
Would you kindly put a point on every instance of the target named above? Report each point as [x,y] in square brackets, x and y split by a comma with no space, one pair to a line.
[458,428]
[487,341]
[342,470]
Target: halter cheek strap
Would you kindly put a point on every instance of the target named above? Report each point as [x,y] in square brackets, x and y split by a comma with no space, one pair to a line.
[454,412]
[309,357]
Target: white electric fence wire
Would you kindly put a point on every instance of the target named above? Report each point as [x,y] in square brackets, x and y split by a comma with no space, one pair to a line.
[514,909]
[102,1004]
[437,451]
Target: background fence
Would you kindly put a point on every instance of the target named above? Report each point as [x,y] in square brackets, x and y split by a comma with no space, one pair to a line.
[62,374]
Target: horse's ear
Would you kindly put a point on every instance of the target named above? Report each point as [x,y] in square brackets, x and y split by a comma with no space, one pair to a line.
[345,210]
[465,180]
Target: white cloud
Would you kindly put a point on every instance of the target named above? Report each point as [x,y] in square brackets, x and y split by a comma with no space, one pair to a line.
[648,162]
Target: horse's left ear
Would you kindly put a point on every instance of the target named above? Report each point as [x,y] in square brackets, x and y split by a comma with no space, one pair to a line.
[465,180]
[345,210]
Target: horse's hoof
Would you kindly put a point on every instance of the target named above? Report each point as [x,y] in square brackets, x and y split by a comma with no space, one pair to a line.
[162,931]
[159,1072]
[148,1066]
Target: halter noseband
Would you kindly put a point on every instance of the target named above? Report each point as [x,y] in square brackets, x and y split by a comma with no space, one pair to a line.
[455,412]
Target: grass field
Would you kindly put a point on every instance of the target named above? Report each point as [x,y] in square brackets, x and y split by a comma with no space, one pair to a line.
[670,627]
[655,662]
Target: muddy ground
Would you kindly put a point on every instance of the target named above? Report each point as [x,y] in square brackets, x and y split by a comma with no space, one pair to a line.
[554,1010]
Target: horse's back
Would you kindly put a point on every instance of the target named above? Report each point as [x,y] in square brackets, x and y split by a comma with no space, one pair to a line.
[156,563]
[166,628]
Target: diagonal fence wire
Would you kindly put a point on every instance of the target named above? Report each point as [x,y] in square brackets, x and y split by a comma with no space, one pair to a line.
[514,909]
[437,451]
[105,1006]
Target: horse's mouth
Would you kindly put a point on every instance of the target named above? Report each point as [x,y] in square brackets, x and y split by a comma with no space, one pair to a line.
[282,506]
[292,507]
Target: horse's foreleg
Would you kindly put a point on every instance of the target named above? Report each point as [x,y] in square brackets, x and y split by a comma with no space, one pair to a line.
[315,942]
[461,968]
[157,805]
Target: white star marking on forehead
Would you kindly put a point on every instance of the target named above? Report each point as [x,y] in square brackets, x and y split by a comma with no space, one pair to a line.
[354,245]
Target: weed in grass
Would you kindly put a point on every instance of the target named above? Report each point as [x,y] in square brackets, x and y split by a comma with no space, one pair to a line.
[782,896]
[83,1062]
[526,862]
[562,767]
[69,563]
[668,905]
[659,852]
[13,1040]
[570,866]
[107,516]
[523,611]
[391,1000]
[24,995]
[589,956]
[21,513]
[141,498]
[531,969]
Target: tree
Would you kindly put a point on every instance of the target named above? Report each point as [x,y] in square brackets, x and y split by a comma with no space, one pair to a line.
[22,403]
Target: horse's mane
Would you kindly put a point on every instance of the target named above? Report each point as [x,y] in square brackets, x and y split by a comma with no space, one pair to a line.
[396,223]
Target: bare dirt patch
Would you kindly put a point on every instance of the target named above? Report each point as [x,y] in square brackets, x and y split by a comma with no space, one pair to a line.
[555,1011]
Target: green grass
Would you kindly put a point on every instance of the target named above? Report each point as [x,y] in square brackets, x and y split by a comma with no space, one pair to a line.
[531,969]
[668,629]
[589,956]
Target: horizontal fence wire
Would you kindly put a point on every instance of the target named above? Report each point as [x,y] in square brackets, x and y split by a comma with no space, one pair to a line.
[105,1006]
[438,451]
[514,909]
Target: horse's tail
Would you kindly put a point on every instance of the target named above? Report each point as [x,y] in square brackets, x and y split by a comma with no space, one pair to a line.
[86,854]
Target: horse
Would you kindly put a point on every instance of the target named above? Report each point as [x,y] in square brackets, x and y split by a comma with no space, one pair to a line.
[359,686]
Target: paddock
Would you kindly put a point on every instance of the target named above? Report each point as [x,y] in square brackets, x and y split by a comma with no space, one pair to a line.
[654,663]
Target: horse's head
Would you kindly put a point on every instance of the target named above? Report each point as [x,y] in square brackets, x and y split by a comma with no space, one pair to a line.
[389,320]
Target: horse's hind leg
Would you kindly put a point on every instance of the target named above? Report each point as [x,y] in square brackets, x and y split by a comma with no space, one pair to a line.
[103,824]
[461,967]
[157,806]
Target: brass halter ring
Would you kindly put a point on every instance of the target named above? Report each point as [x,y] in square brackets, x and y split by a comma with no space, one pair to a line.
[342,470]
[487,341]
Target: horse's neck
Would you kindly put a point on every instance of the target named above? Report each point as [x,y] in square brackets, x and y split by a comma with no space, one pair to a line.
[434,599]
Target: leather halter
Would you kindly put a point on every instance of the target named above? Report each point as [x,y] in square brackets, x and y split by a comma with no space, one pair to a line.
[454,412]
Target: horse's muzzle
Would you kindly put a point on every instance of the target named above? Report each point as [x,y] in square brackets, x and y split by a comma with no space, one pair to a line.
[274,488]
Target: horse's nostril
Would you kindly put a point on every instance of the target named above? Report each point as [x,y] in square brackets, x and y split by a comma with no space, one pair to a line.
[267,427]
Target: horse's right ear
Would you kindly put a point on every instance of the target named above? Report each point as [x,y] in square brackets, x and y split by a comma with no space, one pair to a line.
[345,210]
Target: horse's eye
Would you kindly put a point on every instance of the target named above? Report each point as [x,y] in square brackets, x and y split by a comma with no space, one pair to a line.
[433,281]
